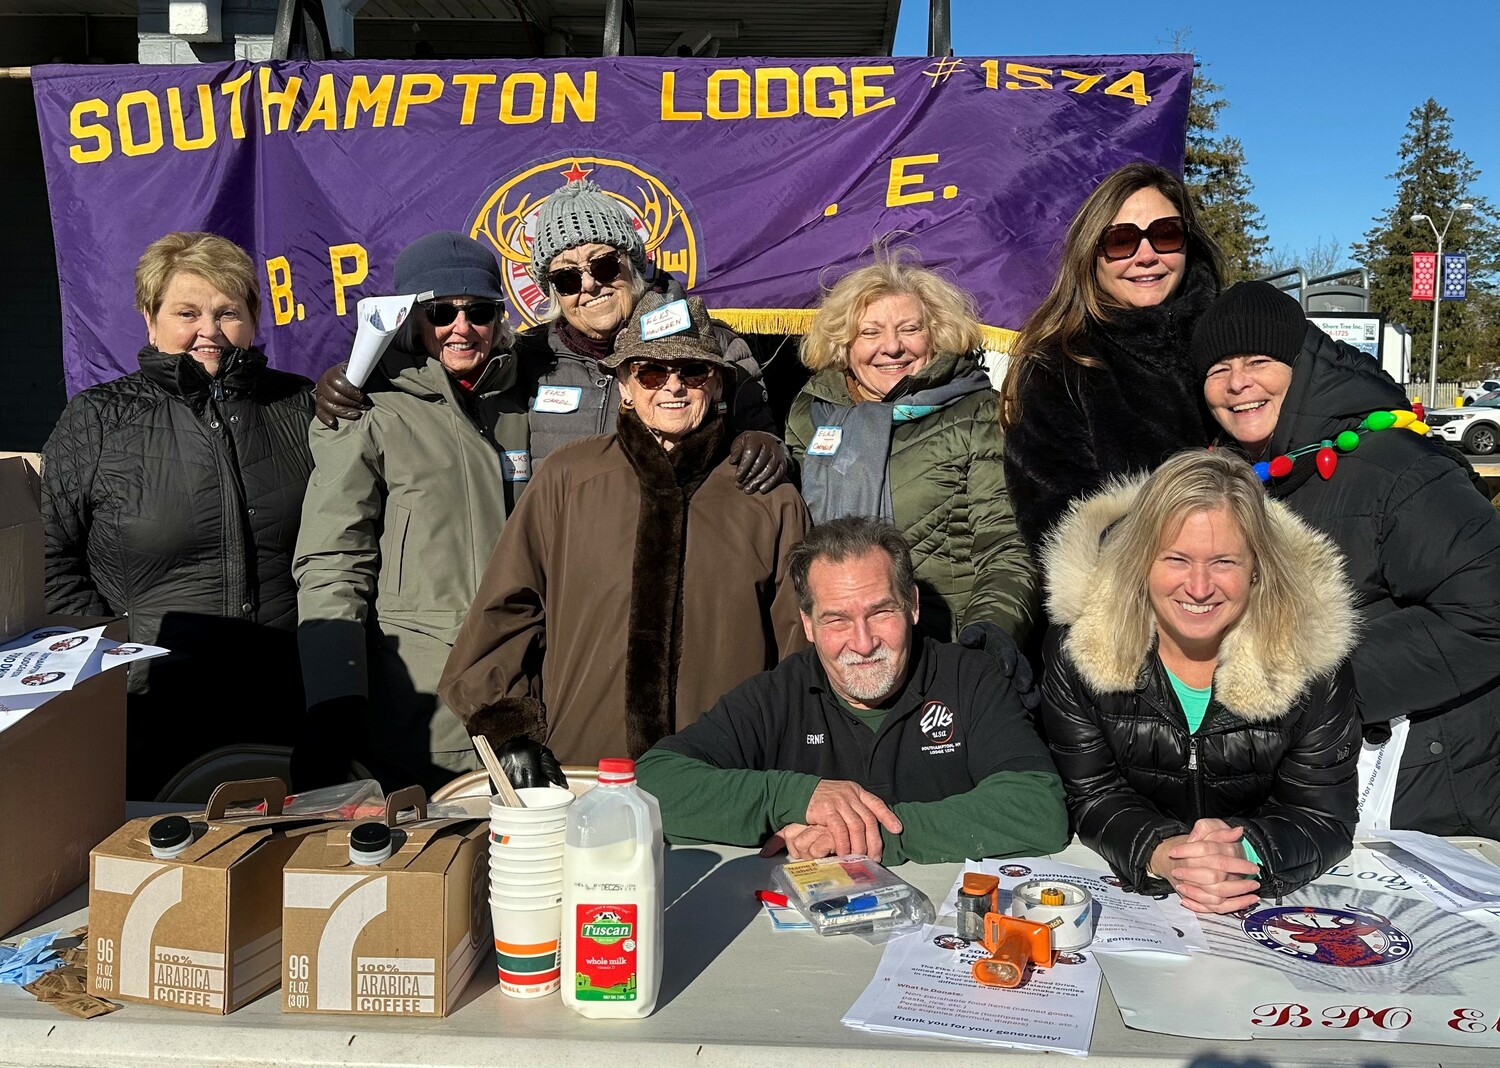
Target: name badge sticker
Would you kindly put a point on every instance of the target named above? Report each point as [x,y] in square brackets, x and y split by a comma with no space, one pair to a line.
[515,465]
[826,441]
[665,321]
[561,399]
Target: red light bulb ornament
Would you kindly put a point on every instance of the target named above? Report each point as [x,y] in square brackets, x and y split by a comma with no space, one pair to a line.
[1281,467]
[1327,461]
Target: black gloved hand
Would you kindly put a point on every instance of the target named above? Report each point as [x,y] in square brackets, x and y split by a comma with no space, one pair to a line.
[338,398]
[1002,648]
[527,762]
[325,744]
[760,461]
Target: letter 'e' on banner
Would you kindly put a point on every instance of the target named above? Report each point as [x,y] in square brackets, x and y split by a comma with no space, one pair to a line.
[1423,275]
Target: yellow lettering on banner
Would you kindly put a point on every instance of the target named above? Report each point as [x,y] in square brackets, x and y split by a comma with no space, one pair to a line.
[669,112]
[279,280]
[1132,87]
[364,98]
[514,83]
[325,106]
[130,145]
[837,103]
[104,141]
[1027,77]
[283,100]
[411,95]
[900,180]
[472,83]
[765,78]
[342,278]
[207,131]
[741,82]
[234,88]
[566,94]
[863,92]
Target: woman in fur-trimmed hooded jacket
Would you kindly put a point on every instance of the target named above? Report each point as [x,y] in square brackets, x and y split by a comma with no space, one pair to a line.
[1194,699]
[635,583]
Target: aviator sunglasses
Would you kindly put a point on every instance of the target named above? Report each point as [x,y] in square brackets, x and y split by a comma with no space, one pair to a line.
[694,373]
[1122,239]
[443,312]
[604,269]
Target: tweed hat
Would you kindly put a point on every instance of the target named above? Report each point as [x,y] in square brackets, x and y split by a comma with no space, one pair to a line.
[580,213]
[1248,318]
[690,337]
[448,264]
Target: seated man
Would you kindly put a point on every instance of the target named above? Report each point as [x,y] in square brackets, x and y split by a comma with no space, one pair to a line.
[871,742]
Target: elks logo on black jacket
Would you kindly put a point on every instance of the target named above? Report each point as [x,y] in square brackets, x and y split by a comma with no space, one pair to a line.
[940,726]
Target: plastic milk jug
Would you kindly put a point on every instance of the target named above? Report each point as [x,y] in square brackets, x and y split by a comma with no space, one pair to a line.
[612,898]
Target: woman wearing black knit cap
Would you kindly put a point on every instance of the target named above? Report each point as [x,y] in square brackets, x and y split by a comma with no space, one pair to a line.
[1327,428]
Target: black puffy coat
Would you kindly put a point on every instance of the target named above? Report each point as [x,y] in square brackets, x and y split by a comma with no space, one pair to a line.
[1276,751]
[1423,552]
[1081,426]
[175,498]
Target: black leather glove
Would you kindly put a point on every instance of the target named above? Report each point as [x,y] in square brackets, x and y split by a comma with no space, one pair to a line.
[527,762]
[760,461]
[338,398]
[1002,648]
[325,744]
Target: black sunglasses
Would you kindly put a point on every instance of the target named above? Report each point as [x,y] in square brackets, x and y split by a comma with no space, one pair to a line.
[443,312]
[694,373]
[1122,239]
[604,269]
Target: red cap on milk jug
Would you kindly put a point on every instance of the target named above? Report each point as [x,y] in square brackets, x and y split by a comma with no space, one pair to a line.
[616,770]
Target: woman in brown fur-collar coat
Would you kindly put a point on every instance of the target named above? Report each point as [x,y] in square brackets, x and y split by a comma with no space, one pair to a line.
[635,583]
[1194,700]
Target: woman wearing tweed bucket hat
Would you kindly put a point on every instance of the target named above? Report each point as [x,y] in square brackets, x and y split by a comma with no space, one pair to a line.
[705,602]
[587,254]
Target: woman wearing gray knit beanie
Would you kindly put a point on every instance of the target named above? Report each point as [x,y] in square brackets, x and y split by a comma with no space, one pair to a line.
[588,255]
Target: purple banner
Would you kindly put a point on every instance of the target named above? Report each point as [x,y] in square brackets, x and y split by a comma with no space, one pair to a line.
[750,178]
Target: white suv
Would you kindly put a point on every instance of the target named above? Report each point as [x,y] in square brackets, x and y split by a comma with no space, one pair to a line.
[1489,385]
[1475,426]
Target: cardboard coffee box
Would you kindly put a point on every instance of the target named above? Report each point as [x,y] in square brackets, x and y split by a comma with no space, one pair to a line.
[66,758]
[401,938]
[202,930]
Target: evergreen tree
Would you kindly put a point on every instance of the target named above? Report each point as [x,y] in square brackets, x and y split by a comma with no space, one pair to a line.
[1214,170]
[1432,179]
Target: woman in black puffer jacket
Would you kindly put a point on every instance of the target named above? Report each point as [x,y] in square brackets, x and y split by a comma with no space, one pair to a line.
[173,495]
[1193,698]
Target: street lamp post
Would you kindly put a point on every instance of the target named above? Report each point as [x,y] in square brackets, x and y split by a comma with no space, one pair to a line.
[1437,288]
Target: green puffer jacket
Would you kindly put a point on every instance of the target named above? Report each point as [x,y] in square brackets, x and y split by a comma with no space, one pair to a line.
[402,512]
[948,494]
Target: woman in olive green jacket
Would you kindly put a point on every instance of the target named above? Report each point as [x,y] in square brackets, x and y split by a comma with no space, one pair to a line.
[900,421]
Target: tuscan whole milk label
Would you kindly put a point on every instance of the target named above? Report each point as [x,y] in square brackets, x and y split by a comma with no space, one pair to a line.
[606,952]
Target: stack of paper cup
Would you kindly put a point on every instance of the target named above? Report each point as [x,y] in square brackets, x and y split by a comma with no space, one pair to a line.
[526,858]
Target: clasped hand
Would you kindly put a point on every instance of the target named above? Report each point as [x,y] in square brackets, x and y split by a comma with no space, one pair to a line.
[842,817]
[1208,869]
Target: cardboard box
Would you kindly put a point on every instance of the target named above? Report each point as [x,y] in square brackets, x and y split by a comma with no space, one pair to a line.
[400,938]
[63,783]
[201,931]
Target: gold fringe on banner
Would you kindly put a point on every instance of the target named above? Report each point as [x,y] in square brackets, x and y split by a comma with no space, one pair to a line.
[797,320]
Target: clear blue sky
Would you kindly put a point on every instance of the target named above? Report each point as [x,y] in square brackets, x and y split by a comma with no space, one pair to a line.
[1318,94]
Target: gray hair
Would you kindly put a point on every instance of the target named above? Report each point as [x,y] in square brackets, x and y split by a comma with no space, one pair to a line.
[845,538]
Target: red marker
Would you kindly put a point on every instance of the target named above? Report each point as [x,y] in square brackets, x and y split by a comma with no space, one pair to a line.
[771,897]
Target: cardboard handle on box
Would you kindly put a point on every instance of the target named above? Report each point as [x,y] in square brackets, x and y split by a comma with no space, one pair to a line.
[410,797]
[270,790]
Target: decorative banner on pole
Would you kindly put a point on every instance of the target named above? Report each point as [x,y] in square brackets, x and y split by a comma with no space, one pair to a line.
[749,179]
[1455,275]
[1423,275]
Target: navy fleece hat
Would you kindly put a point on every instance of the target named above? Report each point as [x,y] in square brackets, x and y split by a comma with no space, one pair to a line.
[448,264]
[1248,318]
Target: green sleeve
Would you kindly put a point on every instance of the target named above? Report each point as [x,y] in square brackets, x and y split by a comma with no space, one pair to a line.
[1005,580]
[747,806]
[1010,813]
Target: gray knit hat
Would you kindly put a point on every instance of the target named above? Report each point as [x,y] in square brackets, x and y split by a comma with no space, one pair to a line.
[448,264]
[580,213]
[678,330]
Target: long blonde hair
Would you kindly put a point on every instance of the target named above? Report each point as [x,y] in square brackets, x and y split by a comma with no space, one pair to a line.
[1076,298]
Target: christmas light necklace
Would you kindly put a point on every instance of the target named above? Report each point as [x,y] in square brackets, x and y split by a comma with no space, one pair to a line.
[1326,458]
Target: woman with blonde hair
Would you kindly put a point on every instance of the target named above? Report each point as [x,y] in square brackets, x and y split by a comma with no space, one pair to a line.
[1099,382]
[899,421]
[172,495]
[1194,698]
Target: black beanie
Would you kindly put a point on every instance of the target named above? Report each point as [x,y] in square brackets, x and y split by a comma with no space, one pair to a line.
[447,264]
[1248,319]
